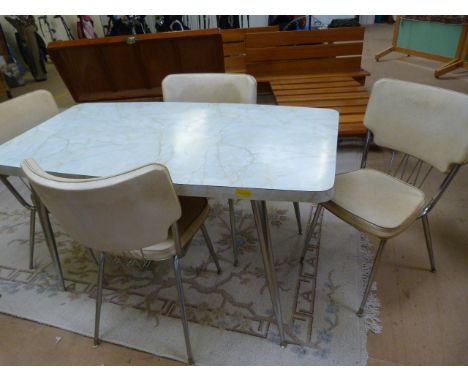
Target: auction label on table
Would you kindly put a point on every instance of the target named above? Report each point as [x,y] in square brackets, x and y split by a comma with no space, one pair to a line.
[243,193]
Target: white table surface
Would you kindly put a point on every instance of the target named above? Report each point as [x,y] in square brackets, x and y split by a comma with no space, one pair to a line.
[259,152]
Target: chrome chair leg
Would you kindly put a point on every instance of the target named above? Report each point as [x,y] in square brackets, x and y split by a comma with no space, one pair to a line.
[427,234]
[232,219]
[32,235]
[50,238]
[310,229]
[100,278]
[377,257]
[297,211]
[183,312]
[211,249]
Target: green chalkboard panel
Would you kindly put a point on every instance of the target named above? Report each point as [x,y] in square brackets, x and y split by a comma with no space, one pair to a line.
[430,37]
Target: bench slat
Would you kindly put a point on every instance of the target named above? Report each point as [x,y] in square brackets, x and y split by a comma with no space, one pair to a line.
[352,129]
[234,64]
[303,52]
[238,34]
[351,118]
[234,49]
[262,40]
[320,97]
[313,85]
[328,103]
[300,92]
[323,65]
[360,109]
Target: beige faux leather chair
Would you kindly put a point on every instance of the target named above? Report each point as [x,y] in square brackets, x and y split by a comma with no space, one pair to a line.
[216,88]
[136,213]
[428,128]
[17,116]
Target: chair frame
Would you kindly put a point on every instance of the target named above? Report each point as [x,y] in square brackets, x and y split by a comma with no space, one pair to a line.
[423,215]
[180,252]
[32,221]
[29,206]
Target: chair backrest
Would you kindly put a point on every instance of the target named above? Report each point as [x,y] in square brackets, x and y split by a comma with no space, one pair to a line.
[210,87]
[423,121]
[22,113]
[234,46]
[304,52]
[128,211]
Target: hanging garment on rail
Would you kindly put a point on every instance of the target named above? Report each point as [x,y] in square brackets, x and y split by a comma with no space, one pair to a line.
[170,24]
[85,27]
[228,22]
[127,25]
[31,45]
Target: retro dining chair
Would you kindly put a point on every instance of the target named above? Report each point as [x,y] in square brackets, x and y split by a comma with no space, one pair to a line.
[17,116]
[216,88]
[135,213]
[426,128]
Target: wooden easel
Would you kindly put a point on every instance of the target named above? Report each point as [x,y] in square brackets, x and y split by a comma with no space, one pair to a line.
[451,64]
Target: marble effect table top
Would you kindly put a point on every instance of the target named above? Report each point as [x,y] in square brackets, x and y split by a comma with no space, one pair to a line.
[258,152]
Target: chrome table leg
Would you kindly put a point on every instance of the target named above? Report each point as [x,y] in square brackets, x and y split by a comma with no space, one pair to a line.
[261,221]
[232,219]
[100,279]
[297,211]
[427,234]
[211,249]
[310,229]
[32,234]
[49,237]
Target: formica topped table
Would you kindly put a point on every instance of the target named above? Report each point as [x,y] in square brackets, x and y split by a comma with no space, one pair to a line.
[239,151]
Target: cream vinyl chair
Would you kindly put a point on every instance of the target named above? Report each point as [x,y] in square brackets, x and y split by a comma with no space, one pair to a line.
[426,127]
[136,213]
[216,88]
[17,116]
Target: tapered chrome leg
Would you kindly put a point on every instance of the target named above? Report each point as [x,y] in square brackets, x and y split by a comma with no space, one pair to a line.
[263,229]
[377,257]
[32,235]
[310,229]
[211,249]
[92,255]
[427,234]
[297,211]
[100,278]
[232,219]
[183,312]
[50,238]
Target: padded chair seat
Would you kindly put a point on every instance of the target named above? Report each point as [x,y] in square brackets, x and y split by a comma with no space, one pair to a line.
[194,212]
[375,202]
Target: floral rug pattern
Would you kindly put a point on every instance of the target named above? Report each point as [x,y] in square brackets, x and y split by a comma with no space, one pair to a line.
[236,301]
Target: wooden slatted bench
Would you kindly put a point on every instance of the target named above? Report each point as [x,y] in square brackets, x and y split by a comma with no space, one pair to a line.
[234,47]
[341,93]
[319,68]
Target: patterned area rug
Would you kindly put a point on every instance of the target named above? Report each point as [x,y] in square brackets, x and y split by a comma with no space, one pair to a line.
[231,320]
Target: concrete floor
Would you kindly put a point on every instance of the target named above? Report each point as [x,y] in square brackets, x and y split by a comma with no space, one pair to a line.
[424,314]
